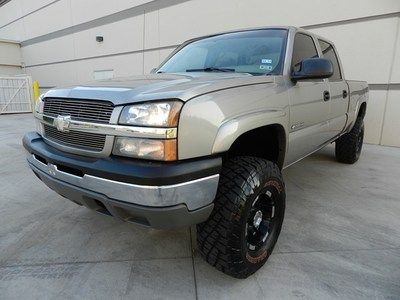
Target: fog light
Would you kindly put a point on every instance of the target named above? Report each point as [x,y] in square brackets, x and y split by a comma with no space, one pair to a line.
[146,148]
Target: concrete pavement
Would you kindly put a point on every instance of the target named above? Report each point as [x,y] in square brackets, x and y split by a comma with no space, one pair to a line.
[340,238]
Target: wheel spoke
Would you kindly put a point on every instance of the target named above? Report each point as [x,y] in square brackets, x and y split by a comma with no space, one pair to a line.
[260,221]
[259,237]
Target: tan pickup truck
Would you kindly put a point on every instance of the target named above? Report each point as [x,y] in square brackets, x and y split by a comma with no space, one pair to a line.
[204,138]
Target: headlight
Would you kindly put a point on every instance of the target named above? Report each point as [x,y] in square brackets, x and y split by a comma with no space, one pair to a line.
[39,104]
[39,109]
[146,148]
[158,114]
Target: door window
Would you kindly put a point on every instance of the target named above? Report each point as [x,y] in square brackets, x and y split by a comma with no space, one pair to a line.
[328,52]
[303,48]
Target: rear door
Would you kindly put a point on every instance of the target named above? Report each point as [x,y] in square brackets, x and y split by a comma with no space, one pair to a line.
[338,90]
[309,111]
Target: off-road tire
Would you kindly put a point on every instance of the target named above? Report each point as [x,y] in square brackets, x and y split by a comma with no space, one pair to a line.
[348,147]
[223,239]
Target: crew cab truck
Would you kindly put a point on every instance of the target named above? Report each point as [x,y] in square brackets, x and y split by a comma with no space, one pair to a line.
[203,139]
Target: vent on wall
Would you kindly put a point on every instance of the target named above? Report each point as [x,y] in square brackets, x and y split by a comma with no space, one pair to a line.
[103,74]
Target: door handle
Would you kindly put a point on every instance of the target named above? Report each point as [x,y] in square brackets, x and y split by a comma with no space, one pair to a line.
[345,94]
[327,96]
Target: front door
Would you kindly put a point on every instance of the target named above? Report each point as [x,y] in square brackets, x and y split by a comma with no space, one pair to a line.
[309,106]
[338,90]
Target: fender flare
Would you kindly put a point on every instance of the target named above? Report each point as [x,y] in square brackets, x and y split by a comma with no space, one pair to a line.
[232,129]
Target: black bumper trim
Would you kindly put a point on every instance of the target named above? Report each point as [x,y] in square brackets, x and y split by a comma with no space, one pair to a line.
[124,169]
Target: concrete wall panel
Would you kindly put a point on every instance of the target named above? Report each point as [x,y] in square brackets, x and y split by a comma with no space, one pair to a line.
[10,12]
[123,66]
[10,54]
[87,10]
[122,36]
[14,31]
[391,125]
[202,17]
[28,6]
[9,70]
[395,78]
[374,116]
[55,50]
[365,48]
[152,30]
[151,60]
[53,75]
[52,18]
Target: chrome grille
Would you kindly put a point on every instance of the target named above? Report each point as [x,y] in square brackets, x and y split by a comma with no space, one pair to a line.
[76,139]
[80,110]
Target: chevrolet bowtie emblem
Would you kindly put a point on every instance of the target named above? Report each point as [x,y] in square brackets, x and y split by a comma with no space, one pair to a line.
[62,123]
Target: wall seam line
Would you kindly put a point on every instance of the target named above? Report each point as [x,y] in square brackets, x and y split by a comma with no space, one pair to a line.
[396,39]
[143,39]
[354,20]
[74,74]
[32,12]
[102,56]
[123,14]
[104,20]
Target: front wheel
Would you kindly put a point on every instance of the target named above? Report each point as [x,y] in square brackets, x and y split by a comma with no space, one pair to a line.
[348,147]
[244,226]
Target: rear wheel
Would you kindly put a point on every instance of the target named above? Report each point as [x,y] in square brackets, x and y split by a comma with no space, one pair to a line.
[348,147]
[245,224]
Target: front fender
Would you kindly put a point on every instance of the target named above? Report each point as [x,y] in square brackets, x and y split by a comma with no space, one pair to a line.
[231,130]
[209,124]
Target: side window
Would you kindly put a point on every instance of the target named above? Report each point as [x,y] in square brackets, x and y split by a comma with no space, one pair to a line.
[328,52]
[303,48]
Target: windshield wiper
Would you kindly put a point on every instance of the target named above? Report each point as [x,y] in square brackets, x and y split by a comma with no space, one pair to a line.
[211,69]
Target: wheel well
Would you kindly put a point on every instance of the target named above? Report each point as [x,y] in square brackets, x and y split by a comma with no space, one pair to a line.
[267,142]
[362,111]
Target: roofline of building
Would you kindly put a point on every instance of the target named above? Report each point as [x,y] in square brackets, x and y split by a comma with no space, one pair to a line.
[9,41]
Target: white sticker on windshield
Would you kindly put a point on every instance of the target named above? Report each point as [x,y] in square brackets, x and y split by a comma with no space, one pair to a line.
[266,61]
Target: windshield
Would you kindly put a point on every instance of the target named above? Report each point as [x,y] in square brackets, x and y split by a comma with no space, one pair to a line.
[258,52]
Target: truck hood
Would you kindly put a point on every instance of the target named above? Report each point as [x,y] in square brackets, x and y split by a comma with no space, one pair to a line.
[157,87]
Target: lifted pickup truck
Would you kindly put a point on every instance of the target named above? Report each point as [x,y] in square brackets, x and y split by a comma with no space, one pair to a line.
[204,138]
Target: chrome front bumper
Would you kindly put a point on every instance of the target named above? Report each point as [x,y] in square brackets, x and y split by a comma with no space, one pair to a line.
[194,194]
[159,195]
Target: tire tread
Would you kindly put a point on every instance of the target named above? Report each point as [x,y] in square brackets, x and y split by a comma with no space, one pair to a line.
[346,145]
[219,237]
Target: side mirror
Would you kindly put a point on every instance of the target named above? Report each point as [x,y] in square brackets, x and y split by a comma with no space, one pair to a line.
[314,68]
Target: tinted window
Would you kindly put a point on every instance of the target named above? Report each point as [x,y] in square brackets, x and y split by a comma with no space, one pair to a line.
[303,48]
[257,52]
[329,53]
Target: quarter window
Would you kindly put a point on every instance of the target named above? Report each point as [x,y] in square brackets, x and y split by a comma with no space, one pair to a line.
[303,48]
[328,52]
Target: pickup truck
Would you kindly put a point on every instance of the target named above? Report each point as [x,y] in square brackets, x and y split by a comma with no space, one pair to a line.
[204,138]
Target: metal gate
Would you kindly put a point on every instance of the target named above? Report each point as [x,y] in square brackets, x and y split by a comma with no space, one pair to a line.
[16,94]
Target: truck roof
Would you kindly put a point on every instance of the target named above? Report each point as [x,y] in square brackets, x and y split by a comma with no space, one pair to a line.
[293,28]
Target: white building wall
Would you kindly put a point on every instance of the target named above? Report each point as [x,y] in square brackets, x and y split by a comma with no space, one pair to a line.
[59,47]
[10,58]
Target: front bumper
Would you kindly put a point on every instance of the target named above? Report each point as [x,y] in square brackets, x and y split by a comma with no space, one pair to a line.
[159,195]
